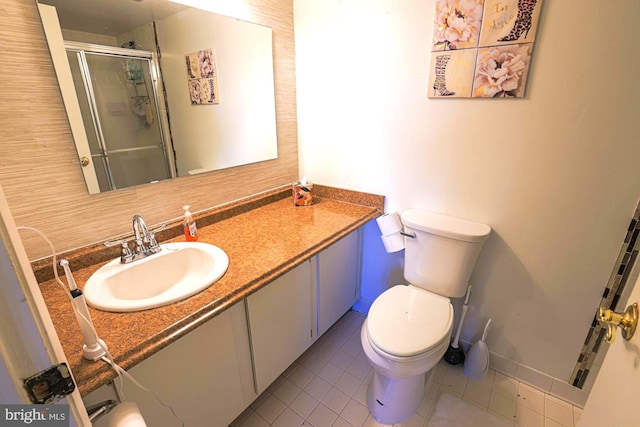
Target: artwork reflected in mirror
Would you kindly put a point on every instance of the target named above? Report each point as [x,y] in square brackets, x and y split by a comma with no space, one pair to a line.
[130,100]
[202,77]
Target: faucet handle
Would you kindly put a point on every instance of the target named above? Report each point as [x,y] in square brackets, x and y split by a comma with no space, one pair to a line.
[153,243]
[123,243]
[162,227]
[125,255]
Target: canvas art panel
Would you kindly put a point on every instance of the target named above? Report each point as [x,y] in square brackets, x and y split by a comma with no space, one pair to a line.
[495,36]
[454,73]
[501,71]
[509,21]
[457,24]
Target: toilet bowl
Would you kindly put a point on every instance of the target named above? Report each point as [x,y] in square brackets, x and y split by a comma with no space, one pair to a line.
[405,335]
[408,328]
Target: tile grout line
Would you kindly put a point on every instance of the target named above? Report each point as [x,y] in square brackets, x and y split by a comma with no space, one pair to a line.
[337,395]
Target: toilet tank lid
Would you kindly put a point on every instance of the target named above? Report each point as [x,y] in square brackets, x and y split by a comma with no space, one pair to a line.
[445,225]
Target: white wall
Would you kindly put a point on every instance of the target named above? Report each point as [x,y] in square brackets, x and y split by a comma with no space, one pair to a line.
[554,174]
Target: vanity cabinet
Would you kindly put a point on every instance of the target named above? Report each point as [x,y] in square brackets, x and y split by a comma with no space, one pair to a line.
[213,373]
[205,376]
[281,323]
[289,314]
[338,269]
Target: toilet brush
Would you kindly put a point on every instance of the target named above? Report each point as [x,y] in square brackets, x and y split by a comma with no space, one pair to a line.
[454,354]
[477,365]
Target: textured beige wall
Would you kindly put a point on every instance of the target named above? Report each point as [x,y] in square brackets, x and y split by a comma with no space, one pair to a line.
[39,169]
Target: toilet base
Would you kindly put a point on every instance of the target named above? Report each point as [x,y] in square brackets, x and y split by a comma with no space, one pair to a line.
[393,400]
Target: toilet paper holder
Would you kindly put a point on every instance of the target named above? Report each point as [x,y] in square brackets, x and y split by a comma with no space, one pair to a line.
[98,410]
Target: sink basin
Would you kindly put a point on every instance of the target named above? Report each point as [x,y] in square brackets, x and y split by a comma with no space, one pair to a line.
[179,271]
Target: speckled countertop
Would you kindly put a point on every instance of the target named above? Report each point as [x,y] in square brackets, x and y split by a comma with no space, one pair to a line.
[264,236]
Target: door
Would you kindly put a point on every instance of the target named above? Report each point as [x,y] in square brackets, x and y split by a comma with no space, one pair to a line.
[615,396]
[338,280]
[29,341]
[120,113]
[200,376]
[280,323]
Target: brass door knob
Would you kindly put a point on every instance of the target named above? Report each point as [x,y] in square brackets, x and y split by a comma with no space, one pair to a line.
[627,321]
[84,161]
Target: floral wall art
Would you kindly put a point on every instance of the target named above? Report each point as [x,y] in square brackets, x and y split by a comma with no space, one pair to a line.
[202,77]
[482,48]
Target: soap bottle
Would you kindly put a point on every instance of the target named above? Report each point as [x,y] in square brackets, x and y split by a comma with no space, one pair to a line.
[190,229]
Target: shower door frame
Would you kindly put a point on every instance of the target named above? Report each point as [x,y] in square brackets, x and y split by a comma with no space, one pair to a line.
[111,51]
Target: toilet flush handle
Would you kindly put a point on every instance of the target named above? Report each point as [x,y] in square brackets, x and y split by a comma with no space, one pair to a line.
[627,321]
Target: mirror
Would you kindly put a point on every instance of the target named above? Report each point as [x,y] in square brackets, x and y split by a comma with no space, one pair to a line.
[156,90]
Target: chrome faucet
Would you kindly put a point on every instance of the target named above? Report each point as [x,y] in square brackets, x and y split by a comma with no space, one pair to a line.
[145,242]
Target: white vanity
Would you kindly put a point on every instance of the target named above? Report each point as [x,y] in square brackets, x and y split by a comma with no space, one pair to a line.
[213,373]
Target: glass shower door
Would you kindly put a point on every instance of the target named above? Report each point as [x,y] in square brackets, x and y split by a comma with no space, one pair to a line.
[119,111]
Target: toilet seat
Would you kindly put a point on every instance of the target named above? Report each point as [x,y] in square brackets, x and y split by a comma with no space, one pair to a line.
[406,321]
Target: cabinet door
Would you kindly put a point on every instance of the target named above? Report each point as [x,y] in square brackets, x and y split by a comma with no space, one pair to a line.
[338,280]
[199,376]
[280,317]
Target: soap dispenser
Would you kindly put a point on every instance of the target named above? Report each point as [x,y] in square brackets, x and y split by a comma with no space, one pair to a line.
[190,229]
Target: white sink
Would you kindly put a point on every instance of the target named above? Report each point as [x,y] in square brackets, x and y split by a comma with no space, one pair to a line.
[177,272]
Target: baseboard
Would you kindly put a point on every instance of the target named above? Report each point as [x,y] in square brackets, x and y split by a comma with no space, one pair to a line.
[536,379]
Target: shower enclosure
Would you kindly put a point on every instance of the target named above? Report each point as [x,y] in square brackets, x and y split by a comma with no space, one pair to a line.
[117,92]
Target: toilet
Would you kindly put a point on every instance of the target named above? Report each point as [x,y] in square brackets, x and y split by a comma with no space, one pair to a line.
[408,328]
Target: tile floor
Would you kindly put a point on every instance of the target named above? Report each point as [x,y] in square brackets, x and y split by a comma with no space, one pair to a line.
[326,387]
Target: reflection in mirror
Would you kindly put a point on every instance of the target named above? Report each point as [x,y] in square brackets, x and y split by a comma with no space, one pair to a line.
[127,149]
[138,112]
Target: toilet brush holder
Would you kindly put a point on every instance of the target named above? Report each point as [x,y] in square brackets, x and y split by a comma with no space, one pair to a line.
[476,366]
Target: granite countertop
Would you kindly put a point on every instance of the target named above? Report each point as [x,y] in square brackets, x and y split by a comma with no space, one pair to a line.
[263,239]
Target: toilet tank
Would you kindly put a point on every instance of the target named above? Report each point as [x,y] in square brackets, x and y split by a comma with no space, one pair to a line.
[442,255]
